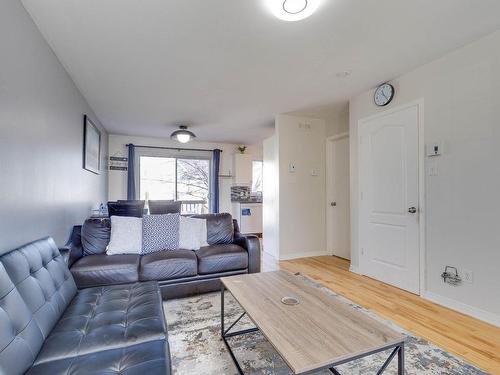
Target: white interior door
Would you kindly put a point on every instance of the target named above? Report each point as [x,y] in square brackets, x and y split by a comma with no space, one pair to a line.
[338,210]
[389,211]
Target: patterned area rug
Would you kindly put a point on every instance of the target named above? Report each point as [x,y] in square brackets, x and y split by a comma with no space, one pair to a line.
[196,347]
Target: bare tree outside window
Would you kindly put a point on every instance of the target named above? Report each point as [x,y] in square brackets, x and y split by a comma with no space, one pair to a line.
[193,180]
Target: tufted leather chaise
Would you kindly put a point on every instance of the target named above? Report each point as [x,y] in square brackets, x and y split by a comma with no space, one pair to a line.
[47,326]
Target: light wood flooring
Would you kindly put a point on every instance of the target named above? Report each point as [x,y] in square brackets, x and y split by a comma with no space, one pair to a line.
[475,341]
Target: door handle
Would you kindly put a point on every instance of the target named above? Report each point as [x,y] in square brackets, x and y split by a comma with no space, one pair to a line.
[412,210]
[333,204]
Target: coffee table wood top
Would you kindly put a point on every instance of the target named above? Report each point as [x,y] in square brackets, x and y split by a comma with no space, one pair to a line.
[314,334]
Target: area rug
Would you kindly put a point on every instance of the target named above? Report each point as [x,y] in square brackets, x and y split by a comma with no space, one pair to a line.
[196,347]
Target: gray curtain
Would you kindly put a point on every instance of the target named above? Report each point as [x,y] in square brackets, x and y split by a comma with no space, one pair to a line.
[131,190]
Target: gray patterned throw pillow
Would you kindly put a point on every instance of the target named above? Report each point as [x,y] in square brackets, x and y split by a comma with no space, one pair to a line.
[160,232]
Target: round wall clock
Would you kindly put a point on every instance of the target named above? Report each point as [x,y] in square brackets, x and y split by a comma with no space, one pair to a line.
[383,94]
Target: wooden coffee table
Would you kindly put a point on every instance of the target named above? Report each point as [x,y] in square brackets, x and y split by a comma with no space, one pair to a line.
[318,333]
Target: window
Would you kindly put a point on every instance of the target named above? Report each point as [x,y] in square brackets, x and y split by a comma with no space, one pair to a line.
[183,179]
[257,167]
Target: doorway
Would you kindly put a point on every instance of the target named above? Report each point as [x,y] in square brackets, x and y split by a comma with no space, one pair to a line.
[389,199]
[338,204]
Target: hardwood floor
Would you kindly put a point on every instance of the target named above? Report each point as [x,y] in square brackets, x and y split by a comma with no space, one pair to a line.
[477,342]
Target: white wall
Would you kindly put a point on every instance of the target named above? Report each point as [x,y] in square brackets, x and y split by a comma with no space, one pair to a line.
[301,212]
[338,121]
[43,188]
[461,92]
[270,195]
[118,179]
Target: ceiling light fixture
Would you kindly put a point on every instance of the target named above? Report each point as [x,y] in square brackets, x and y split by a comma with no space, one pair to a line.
[183,135]
[294,6]
[292,10]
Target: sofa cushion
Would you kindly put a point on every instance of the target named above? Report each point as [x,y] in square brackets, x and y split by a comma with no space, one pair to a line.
[164,207]
[220,228]
[166,265]
[97,270]
[160,232]
[126,208]
[106,318]
[148,358]
[95,236]
[35,289]
[221,258]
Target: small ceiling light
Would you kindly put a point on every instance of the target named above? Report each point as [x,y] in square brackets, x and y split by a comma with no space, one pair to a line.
[292,10]
[182,135]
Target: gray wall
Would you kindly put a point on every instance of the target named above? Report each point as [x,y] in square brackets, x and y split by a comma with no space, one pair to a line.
[43,188]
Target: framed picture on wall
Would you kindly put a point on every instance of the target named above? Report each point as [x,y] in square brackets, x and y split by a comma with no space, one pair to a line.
[91,146]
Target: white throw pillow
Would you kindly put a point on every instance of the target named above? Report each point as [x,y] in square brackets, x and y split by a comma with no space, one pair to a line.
[126,235]
[204,233]
[191,233]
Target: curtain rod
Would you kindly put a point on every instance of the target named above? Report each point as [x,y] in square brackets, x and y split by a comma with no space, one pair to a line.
[172,148]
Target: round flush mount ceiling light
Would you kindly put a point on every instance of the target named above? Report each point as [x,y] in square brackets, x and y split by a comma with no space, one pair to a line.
[293,10]
[183,135]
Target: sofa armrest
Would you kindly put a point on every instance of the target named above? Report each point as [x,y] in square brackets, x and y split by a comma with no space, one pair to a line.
[251,244]
[65,251]
[73,250]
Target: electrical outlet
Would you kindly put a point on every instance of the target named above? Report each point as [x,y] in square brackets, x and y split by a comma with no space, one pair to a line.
[468,276]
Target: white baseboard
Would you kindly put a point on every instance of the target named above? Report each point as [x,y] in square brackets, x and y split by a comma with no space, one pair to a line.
[463,308]
[303,254]
[354,269]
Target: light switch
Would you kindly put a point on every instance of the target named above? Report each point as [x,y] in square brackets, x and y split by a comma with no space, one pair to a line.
[291,168]
[314,172]
[433,170]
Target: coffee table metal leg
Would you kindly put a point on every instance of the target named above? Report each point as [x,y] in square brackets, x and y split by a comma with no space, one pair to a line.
[222,311]
[226,334]
[401,360]
[398,349]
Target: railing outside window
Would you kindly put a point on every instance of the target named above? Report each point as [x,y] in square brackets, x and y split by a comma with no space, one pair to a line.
[194,207]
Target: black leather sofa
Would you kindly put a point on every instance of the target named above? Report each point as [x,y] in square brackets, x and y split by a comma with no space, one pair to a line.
[47,326]
[180,273]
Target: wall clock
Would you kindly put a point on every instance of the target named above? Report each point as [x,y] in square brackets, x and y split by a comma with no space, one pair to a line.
[384,94]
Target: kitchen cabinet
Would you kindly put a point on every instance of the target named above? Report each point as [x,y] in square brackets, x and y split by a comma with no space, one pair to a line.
[242,169]
[249,216]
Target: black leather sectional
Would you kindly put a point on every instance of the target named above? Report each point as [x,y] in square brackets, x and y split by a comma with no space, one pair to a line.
[47,326]
[179,273]
[105,316]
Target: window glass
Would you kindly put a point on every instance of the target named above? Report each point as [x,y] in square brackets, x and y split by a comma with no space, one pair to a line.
[157,180]
[182,179]
[257,167]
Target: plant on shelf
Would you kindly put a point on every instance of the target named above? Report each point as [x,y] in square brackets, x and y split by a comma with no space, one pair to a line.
[242,149]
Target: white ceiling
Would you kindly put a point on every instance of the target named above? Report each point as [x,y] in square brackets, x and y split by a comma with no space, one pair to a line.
[227,66]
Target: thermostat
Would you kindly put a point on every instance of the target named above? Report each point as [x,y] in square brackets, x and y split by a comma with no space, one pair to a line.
[434,149]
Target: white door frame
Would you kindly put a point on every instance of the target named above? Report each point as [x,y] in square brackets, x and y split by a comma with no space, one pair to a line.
[329,168]
[421,182]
